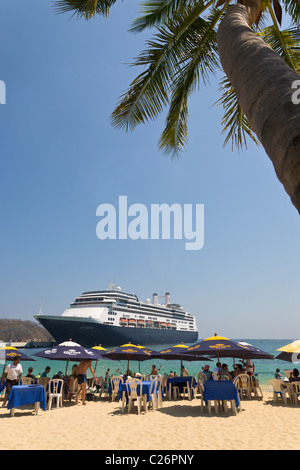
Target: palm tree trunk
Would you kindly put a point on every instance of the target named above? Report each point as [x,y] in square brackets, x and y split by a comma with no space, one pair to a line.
[263,83]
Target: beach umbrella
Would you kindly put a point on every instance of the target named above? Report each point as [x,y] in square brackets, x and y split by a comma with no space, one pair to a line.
[178,352]
[7,353]
[101,351]
[290,352]
[218,346]
[69,351]
[130,352]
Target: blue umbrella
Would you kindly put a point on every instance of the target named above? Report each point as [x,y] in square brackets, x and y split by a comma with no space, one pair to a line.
[218,346]
[69,351]
[179,352]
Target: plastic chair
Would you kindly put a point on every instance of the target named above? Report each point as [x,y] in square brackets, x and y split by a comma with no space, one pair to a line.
[295,389]
[73,390]
[134,396]
[90,382]
[255,386]
[27,381]
[55,390]
[243,385]
[187,390]
[278,390]
[43,381]
[115,384]
[153,393]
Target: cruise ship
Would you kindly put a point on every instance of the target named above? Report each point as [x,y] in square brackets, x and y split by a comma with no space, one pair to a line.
[112,317]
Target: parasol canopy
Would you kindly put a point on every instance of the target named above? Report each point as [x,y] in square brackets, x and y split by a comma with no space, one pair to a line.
[69,351]
[179,352]
[290,352]
[219,346]
[8,353]
[130,352]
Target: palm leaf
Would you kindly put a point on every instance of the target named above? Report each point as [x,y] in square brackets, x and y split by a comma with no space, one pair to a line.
[285,43]
[234,122]
[200,60]
[292,8]
[156,12]
[148,93]
[84,8]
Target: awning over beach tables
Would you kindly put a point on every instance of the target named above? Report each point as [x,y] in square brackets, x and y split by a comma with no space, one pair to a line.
[218,346]
[290,352]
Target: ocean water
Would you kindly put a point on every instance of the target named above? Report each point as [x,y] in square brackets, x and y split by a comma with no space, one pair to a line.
[265,368]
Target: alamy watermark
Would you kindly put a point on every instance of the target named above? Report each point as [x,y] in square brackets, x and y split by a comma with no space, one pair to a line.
[161,221]
[2,92]
[296,94]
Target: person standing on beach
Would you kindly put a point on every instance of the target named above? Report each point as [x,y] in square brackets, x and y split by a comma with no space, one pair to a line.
[12,375]
[81,377]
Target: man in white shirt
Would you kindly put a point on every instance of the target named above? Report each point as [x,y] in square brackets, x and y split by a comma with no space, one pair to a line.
[12,375]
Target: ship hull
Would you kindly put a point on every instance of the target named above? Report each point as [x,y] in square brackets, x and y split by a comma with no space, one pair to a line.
[91,333]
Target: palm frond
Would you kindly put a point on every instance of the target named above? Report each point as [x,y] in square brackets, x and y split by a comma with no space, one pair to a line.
[200,61]
[285,43]
[155,12]
[234,122]
[292,8]
[84,8]
[148,93]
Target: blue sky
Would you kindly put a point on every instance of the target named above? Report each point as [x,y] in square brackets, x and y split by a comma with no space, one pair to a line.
[61,158]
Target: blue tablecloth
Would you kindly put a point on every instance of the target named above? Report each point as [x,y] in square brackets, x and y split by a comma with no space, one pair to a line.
[224,390]
[181,382]
[26,395]
[146,389]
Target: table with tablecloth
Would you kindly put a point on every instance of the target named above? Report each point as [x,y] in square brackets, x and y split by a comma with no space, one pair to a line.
[26,395]
[146,392]
[220,391]
[180,382]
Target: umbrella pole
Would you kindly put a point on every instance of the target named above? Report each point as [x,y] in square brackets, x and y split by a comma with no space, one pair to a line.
[66,368]
[219,366]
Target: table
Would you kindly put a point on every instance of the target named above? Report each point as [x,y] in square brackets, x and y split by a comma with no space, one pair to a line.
[221,391]
[26,395]
[146,388]
[181,382]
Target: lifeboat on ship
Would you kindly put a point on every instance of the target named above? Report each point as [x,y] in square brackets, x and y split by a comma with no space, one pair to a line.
[163,324]
[123,321]
[132,322]
[141,323]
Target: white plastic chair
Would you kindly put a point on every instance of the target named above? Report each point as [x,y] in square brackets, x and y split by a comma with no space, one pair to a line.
[243,385]
[43,381]
[55,390]
[295,389]
[255,386]
[134,396]
[153,393]
[278,390]
[115,384]
[73,390]
[187,390]
[27,380]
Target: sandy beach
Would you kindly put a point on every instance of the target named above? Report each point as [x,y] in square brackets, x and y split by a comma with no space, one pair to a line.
[178,425]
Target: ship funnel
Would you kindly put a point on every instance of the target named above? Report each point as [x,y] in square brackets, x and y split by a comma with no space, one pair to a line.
[155,299]
[168,298]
